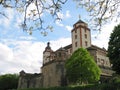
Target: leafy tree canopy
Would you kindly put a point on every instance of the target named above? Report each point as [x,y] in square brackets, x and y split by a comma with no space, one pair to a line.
[114,49]
[8,81]
[81,67]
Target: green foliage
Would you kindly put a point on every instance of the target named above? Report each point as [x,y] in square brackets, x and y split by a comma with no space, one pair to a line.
[114,49]
[81,68]
[115,79]
[8,81]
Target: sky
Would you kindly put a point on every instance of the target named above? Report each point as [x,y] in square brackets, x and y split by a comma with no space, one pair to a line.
[21,51]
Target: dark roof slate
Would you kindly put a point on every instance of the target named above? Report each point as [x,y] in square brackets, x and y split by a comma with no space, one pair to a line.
[80,21]
[94,47]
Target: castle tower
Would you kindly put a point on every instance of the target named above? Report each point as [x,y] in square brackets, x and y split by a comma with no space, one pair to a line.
[81,36]
[48,54]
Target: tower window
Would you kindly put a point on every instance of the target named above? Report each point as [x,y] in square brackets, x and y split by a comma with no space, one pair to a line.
[85,30]
[75,44]
[75,36]
[85,35]
[86,43]
[75,31]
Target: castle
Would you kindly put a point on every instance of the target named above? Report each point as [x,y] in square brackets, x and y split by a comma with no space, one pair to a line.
[53,70]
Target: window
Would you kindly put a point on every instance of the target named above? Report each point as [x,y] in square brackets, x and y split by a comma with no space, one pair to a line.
[98,60]
[75,44]
[85,35]
[60,54]
[75,36]
[86,43]
[75,31]
[102,61]
[85,30]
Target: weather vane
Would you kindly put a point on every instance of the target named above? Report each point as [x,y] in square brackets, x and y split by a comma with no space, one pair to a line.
[79,17]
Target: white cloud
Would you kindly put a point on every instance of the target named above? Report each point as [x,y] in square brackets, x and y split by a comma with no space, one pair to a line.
[25,55]
[60,43]
[69,28]
[102,38]
[5,53]
[59,23]
[64,16]
[27,38]
[67,15]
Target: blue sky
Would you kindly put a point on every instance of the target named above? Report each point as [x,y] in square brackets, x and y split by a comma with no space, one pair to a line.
[21,51]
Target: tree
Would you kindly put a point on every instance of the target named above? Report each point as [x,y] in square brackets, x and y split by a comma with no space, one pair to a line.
[33,11]
[8,81]
[114,49]
[100,12]
[81,68]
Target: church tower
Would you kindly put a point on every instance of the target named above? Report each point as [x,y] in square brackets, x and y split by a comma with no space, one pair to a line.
[81,36]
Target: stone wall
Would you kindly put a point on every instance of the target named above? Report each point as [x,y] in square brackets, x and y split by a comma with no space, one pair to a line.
[27,80]
[101,59]
[54,74]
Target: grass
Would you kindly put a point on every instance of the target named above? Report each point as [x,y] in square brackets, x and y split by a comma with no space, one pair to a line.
[115,86]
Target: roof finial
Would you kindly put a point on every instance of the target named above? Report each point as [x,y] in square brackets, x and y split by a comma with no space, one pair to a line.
[79,17]
[48,44]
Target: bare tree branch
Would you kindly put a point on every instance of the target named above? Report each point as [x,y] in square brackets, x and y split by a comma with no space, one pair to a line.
[100,11]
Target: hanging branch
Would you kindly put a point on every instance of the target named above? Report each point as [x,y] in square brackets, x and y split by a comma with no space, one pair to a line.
[101,11]
[35,15]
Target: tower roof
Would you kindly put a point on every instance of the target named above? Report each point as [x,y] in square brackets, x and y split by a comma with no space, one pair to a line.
[48,48]
[80,21]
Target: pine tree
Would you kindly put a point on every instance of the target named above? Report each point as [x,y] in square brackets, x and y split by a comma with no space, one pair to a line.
[114,49]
